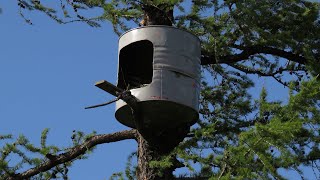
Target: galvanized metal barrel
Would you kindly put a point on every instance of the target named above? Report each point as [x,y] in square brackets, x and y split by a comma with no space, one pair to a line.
[161,67]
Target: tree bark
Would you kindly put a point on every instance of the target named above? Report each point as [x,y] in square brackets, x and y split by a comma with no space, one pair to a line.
[157,15]
[146,154]
[153,146]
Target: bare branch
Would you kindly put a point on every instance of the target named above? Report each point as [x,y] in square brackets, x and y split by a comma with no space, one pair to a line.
[207,58]
[75,152]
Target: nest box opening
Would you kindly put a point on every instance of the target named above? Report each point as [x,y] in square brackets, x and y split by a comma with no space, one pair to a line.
[135,65]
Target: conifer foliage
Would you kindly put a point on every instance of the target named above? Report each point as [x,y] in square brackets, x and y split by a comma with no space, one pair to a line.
[237,136]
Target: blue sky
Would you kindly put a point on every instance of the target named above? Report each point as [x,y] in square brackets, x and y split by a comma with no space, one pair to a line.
[47,76]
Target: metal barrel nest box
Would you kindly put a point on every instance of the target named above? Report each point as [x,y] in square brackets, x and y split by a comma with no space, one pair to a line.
[161,67]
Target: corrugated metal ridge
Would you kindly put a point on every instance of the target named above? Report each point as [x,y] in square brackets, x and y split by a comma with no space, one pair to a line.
[170,68]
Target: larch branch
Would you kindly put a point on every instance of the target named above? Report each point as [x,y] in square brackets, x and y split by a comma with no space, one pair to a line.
[264,73]
[208,58]
[75,152]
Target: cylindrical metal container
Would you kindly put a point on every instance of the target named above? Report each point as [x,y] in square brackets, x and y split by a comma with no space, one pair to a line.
[161,67]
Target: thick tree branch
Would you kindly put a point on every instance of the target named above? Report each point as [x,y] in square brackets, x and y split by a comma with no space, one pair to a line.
[75,152]
[207,58]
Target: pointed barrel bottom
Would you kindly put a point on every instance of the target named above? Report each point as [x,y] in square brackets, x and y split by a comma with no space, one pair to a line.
[158,115]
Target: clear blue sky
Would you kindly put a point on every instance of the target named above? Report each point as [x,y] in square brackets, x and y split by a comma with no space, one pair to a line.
[47,76]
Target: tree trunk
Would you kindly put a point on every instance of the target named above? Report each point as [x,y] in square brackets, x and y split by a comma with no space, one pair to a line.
[157,15]
[146,154]
[151,146]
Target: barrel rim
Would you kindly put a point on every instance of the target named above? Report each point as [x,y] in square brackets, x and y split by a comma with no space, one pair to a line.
[163,26]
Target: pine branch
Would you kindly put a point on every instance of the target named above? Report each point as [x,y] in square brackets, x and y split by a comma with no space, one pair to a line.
[262,73]
[75,152]
[305,160]
[207,58]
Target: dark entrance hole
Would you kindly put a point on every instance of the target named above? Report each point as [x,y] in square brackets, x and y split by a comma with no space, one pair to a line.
[135,65]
